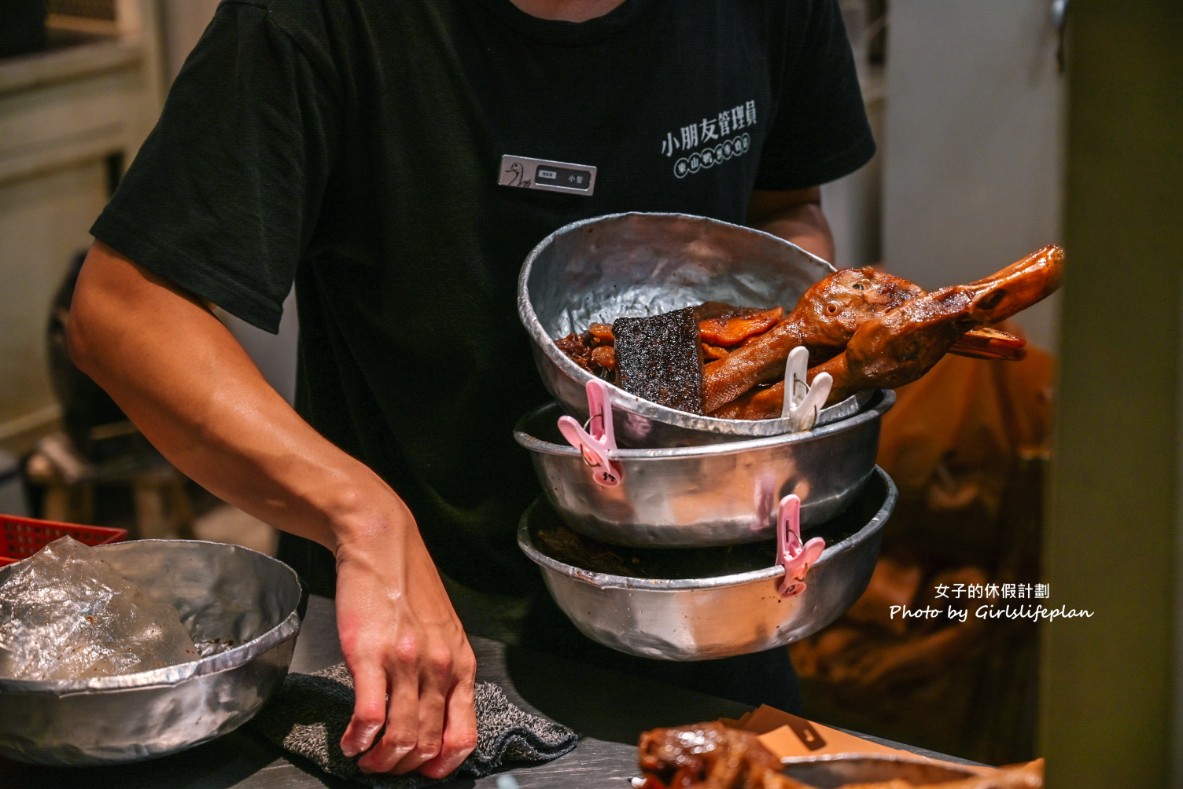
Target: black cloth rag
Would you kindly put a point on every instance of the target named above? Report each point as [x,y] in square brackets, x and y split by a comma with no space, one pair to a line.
[309,714]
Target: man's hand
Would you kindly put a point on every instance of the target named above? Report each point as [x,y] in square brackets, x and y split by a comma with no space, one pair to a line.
[413,669]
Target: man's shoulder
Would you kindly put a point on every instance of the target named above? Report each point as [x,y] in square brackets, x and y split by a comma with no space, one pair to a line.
[319,9]
[287,14]
[342,21]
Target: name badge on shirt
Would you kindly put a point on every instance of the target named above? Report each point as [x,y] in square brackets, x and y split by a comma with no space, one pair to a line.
[523,172]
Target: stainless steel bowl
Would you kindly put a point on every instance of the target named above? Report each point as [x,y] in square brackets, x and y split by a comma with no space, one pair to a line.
[670,606]
[222,592]
[597,270]
[713,494]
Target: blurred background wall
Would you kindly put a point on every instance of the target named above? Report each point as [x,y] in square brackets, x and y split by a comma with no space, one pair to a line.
[71,116]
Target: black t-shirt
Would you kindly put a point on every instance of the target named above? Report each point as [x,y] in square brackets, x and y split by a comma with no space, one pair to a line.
[354,149]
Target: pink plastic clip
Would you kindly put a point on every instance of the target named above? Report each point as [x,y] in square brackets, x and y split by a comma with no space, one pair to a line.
[791,554]
[597,445]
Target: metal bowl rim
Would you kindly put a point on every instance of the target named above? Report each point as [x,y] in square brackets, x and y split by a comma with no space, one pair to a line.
[610,581]
[886,758]
[288,628]
[879,758]
[629,401]
[878,406]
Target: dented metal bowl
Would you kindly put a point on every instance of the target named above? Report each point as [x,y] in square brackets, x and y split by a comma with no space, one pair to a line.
[713,494]
[642,264]
[700,604]
[223,592]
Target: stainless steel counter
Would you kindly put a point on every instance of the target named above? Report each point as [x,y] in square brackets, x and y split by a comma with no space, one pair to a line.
[608,709]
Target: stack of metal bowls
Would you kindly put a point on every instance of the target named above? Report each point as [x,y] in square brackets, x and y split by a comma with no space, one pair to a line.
[672,604]
[246,602]
[688,482]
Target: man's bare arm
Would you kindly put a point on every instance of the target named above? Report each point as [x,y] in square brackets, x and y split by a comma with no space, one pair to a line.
[795,215]
[183,379]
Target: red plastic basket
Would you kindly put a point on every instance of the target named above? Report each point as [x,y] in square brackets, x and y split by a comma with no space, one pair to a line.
[20,538]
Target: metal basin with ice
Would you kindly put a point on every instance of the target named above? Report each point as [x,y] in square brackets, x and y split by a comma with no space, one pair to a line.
[641,264]
[670,606]
[223,592]
[713,494]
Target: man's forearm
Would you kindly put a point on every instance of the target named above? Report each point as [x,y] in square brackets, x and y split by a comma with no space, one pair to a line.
[184,380]
[795,216]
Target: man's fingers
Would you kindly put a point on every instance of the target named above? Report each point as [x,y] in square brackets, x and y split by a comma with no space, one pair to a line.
[402,728]
[430,732]
[459,736]
[369,711]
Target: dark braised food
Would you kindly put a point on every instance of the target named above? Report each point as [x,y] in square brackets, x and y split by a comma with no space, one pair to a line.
[708,756]
[868,329]
[660,359]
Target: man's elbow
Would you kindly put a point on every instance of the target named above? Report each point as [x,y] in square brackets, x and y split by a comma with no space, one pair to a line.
[89,329]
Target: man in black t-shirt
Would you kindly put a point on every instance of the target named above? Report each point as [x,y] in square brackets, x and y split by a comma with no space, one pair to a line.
[372,154]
